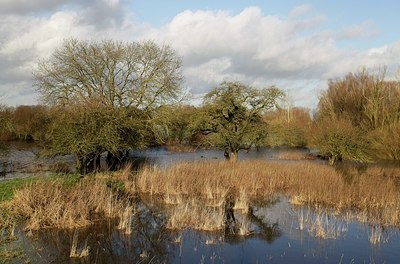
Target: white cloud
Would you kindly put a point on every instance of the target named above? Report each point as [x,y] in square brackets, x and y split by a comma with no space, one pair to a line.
[299,11]
[366,29]
[258,49]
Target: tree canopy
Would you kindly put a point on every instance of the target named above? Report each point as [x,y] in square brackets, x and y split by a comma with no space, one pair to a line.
[232,117]
[143,74]
[104,94]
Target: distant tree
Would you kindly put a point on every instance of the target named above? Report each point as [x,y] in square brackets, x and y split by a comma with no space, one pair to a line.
[288,127]
[232,116]
[366,99]
[6,129]
[367,108]
[105,93]
[339,139]
[175,124]
[30,122]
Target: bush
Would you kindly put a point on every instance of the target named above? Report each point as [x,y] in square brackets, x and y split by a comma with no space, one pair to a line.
[338,139]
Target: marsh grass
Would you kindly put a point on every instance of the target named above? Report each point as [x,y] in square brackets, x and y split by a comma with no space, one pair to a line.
[8,187]
[47,204]
[293,155]
[193,214]
[372,193]
[76,251]
[125,220]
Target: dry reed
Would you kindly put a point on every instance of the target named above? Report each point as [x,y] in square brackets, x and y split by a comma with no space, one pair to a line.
[293,155]
[195,215]
[48,204]
[75,252]
[373,193]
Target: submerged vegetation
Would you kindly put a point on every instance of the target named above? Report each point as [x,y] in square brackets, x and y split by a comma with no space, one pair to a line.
[373,192]
[205,195]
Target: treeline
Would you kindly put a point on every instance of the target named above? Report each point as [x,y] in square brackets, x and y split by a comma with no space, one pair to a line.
[358,119]
[112,97]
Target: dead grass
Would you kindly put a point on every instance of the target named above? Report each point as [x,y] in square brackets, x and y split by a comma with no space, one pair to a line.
[373,193]
[47,204]
[293,155]
[194,214]
[75,251]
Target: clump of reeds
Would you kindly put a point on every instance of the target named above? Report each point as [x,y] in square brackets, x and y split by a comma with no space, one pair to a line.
[293,155]
[242,201]
[375,234]
[372,192]
[125,220]
[75,251]
[194,214]
[51,204]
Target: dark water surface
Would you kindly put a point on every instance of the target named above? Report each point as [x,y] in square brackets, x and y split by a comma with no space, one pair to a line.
[278,232]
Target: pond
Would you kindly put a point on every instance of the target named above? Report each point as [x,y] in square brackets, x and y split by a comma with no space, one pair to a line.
[276,234]
[272,232]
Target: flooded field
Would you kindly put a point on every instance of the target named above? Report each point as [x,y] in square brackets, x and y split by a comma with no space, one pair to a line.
[273,231]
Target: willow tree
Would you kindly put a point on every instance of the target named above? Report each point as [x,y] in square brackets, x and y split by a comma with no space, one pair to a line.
[101,81]
[232,116]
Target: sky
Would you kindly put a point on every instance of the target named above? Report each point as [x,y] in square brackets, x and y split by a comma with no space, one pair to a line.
[297,46]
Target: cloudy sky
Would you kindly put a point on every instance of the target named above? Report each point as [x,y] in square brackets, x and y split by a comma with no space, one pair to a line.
[295,45]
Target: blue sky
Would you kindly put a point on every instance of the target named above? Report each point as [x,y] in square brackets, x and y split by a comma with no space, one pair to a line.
[296,45]
[382,15]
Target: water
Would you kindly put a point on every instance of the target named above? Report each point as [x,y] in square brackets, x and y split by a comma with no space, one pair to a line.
[275,237]
[278,232]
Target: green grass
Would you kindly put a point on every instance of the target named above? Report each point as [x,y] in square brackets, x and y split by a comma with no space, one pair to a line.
[7,187]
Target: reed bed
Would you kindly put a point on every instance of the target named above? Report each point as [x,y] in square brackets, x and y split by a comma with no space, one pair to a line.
[48,204]
[294,155]
[373,192]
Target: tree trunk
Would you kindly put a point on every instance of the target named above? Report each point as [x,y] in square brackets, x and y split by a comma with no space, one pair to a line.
[233,157]
[332,160]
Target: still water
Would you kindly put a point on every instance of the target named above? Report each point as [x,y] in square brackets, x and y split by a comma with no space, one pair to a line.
[277,232]
[275,237]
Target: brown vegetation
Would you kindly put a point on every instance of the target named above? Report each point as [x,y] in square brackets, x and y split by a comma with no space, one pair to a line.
[48,204]
[374,192]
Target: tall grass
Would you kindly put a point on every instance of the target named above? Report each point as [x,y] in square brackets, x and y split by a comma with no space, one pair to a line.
[373,193]
[52,204]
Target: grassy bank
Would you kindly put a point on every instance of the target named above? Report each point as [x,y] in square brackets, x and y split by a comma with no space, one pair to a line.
[7,187]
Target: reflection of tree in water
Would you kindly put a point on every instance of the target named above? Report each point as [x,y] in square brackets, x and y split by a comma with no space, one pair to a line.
[148,242]
[264,230]
[349,171]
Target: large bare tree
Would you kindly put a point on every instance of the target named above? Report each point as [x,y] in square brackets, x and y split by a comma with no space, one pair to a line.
[143,74]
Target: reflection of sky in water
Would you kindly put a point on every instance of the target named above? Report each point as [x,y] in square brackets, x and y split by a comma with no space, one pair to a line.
[162,157]
[276,238]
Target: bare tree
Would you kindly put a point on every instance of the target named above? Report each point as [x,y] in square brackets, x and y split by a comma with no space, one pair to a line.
[117,74]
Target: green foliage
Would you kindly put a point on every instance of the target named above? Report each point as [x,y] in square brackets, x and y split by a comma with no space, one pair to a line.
[288,128]
[338,139]
[385,142]
[104,94]
[371,106]
[7,187]
[232,115]
[89,130]
[174,124]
